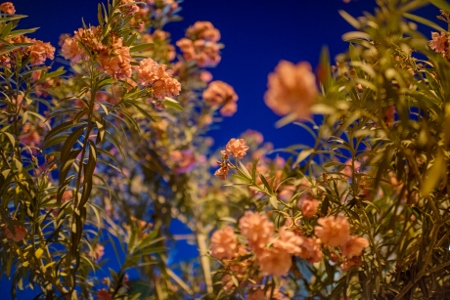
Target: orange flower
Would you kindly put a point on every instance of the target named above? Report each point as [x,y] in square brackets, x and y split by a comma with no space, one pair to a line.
[236,147]
[257,229]
[151,73]
[354,246]
[309,207]
[223,243]
[311,250]
[275,261]
[7,8]
[439,42]
[291,89]
[334,231]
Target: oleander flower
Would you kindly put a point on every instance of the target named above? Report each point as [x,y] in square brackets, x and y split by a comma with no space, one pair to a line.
[228,109]
[224,244]
[219,92]
[288,241]
[71,50]
[127,8]
[333,231]
[311,250]
[257,294]
[19,233]
[151,73]
[354,246]
[236,147]
[117,63]
[274,261]
[184,161]
[103,295]
[40,51]
[30,137]
[309,207]
[439,42]
[291,89]
[203,30]
[222,172]
[257,229]
[7,8]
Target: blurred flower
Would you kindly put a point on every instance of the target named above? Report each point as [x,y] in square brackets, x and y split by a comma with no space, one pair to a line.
[127,8]
[7,8]
[257,294]
[309,207]
[333,231]
[222,172]
[18,235]
[311,250]
[30,137]
[223,243]
[288,240]
[274,261]
[236,147]
[291,89]
[350,263]
[257,229]
[151,73]
[103,295]
[184,161]
[219,92]
[354,246]
[203,30]
[439,42]
[40,51]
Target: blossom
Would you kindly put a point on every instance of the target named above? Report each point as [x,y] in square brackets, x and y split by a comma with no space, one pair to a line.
[257,229]
[151,73]
[219,92]
[288,241]
[354,246]
[257,294]
[40,51]
[291,89]
[19,233]
[127,8]
[30,137]
[222,172]
[71,50]
[184,161]
[350,263]
[439,42]
[203,30]
[236,147]
[7,8]
[228,109]
[223,243]
[334,231]
[275,261]
[309,207]
[118,62]
[311,250]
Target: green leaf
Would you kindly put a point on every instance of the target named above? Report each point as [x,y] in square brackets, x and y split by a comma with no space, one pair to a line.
[302,155]
[173,104]
[266,184]
[424,22]
[434,175]
[274,201]
[141,47]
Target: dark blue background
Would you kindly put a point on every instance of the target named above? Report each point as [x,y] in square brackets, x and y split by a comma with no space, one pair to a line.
[257,34]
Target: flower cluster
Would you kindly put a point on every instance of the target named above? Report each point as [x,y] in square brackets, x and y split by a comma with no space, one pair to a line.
[236,148]
[200,45]
[7,8]
[291,89]
[151,73]
[221,93]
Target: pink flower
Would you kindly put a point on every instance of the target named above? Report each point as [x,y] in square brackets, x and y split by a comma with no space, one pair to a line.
[203,30]
[127,8]
[150,73]
[184,161]
[236,147]
[257,229]
[19,233]
[228,109]
[291,89]
[257,294]
[117,63]
[222,172]
[309,207]
[288,241]
[354,246]
[30,137]
[439,42]
[219,92]
[311,250]
[40,51]
[334,231]
[348,169]
[7,8]
[274,261]
[223,243]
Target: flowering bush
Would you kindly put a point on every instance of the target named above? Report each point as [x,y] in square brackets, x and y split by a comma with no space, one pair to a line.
[105,157]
